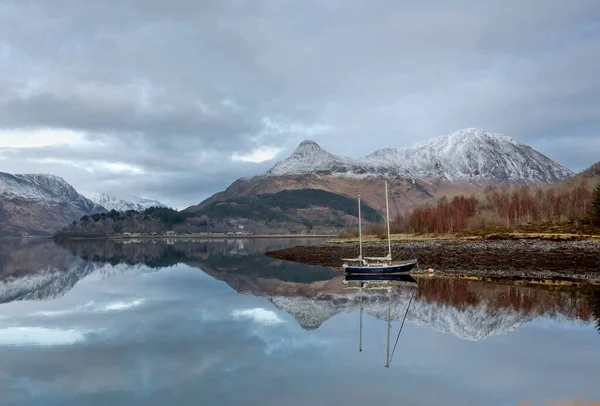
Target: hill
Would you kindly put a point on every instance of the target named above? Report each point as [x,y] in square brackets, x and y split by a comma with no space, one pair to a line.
[289,211]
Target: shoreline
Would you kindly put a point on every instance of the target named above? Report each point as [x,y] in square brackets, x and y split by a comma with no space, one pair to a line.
[531,261]
[509,236]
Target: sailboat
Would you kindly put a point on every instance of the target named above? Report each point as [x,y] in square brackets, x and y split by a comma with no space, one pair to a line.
[376,265]
[373,282]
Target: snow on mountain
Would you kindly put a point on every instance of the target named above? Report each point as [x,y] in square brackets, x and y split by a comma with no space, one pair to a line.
[129,203]
[46,189]
[469,155]
[310,158]
[472,323]
[473,154]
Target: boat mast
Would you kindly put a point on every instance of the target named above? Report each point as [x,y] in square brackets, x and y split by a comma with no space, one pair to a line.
[359,231]
[387,358]
[387,211]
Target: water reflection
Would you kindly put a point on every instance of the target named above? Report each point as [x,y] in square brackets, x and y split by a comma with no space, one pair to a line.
[150,323]
[595,305]
[473,310]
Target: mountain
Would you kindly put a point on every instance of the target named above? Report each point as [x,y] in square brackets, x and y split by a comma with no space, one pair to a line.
[129,203]
[39,204]
[452,164]
[470,155]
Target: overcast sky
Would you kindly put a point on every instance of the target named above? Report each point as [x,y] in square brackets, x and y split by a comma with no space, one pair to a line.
[176,99]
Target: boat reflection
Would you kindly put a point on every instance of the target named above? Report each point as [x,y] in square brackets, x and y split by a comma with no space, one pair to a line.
[387,283]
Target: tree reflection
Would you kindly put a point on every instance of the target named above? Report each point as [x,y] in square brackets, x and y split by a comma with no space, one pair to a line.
[595,304]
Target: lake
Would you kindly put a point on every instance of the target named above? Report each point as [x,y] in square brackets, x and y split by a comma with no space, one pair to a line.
[216,322]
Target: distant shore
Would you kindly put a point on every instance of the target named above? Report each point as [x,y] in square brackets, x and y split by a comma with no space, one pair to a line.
[194,236]
[534,260]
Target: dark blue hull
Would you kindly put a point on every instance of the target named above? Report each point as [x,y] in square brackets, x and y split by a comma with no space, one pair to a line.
[384,269]
[402,277]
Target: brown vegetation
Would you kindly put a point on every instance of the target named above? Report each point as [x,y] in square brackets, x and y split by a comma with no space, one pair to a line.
[507,209]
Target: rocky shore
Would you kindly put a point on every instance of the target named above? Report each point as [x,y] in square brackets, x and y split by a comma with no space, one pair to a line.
[535,260]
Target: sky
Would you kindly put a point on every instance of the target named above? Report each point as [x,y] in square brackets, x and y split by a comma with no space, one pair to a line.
[174,100]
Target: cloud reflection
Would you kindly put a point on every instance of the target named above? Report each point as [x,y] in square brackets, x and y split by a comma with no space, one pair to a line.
[20,336]
[259,315]
[90,307]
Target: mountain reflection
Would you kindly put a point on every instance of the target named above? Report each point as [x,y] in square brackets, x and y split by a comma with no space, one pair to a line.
[468,309]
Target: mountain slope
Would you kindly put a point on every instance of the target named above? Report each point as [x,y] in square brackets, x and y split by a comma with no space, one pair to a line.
[39,204]
[591,174]
[130,203]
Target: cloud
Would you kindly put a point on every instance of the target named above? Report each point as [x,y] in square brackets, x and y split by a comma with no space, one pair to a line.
[41,137]
[258,155]
[175,101]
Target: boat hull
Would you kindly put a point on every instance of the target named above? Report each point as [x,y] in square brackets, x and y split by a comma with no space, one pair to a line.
[399,277]
[383,269]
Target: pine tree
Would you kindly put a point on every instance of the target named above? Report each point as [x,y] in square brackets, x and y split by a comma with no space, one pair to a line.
[595,209]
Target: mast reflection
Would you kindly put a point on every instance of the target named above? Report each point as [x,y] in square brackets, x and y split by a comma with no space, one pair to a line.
[381,282]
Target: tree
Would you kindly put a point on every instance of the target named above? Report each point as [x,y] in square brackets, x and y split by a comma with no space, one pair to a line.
[595,208]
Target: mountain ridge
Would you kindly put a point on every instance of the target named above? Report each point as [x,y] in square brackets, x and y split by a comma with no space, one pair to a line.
[470,155]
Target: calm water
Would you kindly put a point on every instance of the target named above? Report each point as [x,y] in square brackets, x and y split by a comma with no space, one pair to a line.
[218,323]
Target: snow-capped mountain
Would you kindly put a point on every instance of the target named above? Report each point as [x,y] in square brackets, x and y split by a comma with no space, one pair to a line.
[44,188]
[310,158]
[39,204]
[470,156]
[128,203]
